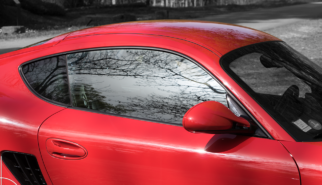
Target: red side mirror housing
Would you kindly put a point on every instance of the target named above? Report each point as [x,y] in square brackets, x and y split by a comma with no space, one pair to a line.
[215,118]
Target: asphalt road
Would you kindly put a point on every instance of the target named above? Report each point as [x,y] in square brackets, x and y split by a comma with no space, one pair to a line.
[264,19]
[11,45]
[261,19]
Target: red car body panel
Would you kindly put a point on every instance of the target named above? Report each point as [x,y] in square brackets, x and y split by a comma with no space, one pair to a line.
[209,60]
[220,38]
[308,158]
[7,177]
[21,112]
[125,150]
[139,150]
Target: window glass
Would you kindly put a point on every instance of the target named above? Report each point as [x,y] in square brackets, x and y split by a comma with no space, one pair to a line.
[284,82]
[48,77]
[261,79]
[146,84]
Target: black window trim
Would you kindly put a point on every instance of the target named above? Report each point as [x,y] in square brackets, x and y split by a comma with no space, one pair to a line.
[130,117]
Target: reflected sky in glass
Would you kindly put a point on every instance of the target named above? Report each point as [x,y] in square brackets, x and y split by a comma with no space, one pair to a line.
[145,84]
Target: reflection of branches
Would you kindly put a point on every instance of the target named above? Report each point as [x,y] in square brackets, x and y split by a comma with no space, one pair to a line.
[145,64]
[162,108]
[84,95]
[166,109]
[49,81]
[49,78]
[205,83]
[169,84]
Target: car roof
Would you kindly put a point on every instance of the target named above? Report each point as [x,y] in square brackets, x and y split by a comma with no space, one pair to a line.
[218,37]
[212,35]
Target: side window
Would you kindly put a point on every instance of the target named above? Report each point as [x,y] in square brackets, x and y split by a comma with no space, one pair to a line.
[48,78]
[145,84]
[265,80]
[284,83]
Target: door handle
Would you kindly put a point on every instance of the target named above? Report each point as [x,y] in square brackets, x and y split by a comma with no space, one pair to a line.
[65,149]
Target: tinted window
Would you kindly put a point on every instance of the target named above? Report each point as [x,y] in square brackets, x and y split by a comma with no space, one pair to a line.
[266,80]
[146,84]
[48,77]
[284,82]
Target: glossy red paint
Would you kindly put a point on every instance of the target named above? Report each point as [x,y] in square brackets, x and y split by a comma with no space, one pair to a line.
[124,150]
[21,112]
[211,116]
[221,38]
[65,149]
[6,176]
[183,40]
[308,158]
[209,59]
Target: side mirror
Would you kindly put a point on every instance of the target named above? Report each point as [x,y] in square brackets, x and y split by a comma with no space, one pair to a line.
[214,118]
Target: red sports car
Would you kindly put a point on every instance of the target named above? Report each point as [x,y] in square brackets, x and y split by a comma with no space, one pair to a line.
[160,103]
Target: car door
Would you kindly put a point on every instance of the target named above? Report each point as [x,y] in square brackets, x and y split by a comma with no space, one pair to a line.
[124,127]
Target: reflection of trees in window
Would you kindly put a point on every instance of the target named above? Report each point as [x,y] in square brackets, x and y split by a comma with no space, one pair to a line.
[150,84]
[166,109]
[85,96]
[48,77]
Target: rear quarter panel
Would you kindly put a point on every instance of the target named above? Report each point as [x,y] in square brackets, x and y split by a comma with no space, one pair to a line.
[21,112]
